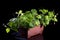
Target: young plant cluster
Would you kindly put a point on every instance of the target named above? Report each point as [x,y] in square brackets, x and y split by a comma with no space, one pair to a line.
[32,18]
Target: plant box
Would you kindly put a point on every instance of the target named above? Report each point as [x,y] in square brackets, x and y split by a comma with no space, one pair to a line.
[35,31]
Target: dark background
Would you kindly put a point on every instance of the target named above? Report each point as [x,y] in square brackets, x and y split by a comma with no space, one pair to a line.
[8,9]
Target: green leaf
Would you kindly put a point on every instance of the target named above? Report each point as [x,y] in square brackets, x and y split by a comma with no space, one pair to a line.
[44,24]
[55,19]
[51,14]
[10,24]
[39,16]
[47,22]
[27,12]
[46,17]
[31,25]
[34,11]
[37,22]
[7,30]
[44,11]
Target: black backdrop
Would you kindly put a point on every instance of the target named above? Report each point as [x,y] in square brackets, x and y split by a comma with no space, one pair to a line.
[8,9]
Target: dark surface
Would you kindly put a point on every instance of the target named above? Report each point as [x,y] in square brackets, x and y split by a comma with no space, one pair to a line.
[37,37]
[8,9]
[19,36]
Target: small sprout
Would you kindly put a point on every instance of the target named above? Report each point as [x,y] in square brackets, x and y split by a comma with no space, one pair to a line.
[16,12]
[4,25]
[55,19]
[20,11]
[7,30]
